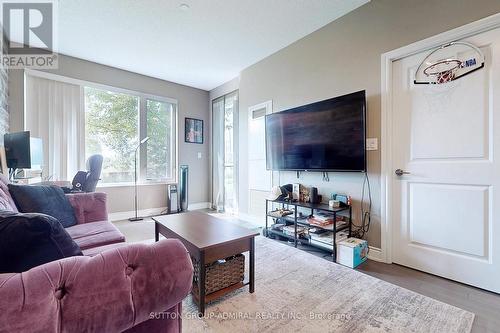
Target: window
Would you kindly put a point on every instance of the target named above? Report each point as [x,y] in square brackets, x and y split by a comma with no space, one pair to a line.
[115,122]
[76,119]
[111,129]
[160,121]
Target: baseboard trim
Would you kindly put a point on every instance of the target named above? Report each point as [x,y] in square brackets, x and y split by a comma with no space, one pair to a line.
[375,254]
[199,205]
[118,216]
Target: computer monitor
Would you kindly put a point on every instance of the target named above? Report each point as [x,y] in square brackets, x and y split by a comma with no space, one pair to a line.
[17,150]
[36,153]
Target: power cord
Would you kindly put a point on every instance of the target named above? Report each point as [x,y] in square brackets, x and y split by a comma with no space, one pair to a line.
[326,177]
[362,230]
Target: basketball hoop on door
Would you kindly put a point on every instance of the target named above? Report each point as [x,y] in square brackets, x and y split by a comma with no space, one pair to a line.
[448,63]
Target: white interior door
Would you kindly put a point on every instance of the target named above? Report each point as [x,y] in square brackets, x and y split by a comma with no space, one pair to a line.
[446,210]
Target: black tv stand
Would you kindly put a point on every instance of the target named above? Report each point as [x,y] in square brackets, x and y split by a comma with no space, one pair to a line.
[302,222]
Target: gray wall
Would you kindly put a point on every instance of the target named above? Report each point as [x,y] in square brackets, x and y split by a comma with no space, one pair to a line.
[340,58]
[192,103]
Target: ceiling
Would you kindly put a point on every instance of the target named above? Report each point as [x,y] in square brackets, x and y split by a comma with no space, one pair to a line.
[203,46]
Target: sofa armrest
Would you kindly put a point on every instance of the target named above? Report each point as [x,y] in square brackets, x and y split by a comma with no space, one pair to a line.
[110,292]
[89,207]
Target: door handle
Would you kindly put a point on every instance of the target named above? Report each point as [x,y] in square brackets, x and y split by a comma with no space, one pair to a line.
[400,172]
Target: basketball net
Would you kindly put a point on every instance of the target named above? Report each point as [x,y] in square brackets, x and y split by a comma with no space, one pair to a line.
[439,96]
[445,77]
[438,73]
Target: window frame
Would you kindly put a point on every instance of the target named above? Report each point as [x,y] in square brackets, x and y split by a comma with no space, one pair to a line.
[143,113]
[142,126]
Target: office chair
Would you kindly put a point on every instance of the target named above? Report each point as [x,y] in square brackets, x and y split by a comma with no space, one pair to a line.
[94,167]
[86,181]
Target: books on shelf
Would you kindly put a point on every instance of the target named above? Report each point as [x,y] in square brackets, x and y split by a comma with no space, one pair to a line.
[322,219]
[315,221]
[278,226]
[326,239]
[317,231]
[339,225]
[290,230]
[280,213]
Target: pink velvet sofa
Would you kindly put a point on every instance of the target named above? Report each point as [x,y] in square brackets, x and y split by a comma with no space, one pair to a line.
[114,287]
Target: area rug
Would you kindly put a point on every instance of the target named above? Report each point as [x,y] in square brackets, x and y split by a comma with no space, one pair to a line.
[299,292]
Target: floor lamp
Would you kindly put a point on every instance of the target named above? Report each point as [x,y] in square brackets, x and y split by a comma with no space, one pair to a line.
[136,218]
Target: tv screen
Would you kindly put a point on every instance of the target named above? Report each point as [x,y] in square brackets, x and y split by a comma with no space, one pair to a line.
[322,136]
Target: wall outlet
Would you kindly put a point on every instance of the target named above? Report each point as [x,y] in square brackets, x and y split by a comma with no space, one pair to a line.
[372,144]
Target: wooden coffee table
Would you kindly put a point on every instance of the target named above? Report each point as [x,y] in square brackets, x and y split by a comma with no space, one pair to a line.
[209,239]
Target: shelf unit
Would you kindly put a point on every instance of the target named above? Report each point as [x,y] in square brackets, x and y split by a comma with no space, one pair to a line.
[302,222]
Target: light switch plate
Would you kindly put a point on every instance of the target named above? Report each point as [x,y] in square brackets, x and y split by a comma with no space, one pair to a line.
[199,156]
[372,144]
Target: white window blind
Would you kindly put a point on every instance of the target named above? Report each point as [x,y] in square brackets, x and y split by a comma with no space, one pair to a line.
[53,113]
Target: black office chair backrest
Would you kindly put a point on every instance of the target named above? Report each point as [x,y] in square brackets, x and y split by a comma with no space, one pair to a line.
[94,167]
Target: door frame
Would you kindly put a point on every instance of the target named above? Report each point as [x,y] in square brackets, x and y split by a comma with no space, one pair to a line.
[268,106]
[386,175]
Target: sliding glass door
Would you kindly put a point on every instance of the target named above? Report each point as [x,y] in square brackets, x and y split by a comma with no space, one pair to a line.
[224,147]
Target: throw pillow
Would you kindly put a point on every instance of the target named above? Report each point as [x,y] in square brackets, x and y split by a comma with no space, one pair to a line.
[49,200]
[30,240]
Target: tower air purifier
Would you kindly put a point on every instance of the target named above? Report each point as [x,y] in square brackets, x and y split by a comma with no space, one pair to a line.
[183,187]
[173,199]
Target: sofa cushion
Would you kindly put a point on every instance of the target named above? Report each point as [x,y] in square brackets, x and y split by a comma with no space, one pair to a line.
[49,200]
[93,251]
[95,234]
[88,207]
[29,240]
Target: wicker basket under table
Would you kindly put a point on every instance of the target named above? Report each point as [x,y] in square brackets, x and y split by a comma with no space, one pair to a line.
[221,274]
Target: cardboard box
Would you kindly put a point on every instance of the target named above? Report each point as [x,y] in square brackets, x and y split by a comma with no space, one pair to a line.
[352,252]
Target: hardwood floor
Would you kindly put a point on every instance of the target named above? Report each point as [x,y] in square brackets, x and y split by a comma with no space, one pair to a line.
[484,304]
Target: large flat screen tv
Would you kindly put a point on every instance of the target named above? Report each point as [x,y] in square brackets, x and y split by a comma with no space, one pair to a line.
[324,136]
